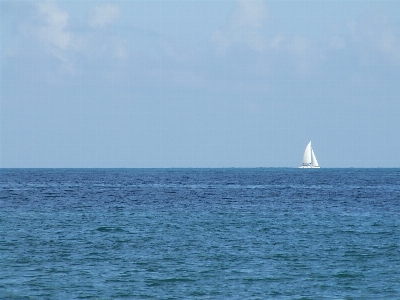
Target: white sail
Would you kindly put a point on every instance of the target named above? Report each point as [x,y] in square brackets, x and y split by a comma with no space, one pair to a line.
[314,162]
[307,156]
[309,159]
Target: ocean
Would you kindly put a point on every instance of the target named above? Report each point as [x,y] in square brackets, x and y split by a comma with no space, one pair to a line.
[267,233]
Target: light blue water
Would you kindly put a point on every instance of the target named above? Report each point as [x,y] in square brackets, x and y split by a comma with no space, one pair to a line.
[200,234]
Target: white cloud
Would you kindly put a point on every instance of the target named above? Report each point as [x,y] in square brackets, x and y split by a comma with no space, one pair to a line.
[51,30]
[375,38]
[389,44]
[337,43]
[177,77]
[219,38]
[171,53]
[244,27]
[103,14]
[50,26]
[249,14]
[300,46]
[54,32]
[120,49]
[277,41]
[304,53]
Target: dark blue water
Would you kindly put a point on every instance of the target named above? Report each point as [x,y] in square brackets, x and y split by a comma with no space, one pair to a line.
[200,234]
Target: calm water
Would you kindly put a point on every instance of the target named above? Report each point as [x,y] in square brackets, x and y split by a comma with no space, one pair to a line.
[200,234]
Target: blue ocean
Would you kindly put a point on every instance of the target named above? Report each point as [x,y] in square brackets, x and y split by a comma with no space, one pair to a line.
[200,233]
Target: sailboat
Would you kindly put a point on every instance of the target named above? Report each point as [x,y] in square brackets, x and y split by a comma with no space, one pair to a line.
[309,159]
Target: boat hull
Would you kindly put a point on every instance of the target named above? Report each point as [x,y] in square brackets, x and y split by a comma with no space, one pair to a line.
[308,167]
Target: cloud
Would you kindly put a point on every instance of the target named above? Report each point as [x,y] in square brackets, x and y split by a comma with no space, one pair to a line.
[304,53]
[54,32]
[388,44]
[373,38]
[300,46]
[244,27]
[277,41]
[337,43]
[177,78]
[249,14]
[103,14]
[119,48]
[50,27]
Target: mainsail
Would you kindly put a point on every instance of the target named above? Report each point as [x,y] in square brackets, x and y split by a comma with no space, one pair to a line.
[307,156]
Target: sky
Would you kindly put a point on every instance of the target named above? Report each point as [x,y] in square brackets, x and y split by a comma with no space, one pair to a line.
[160,84]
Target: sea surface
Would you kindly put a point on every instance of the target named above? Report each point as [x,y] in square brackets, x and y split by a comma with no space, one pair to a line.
[200,233]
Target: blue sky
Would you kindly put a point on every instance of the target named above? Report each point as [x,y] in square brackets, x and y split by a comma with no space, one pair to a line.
[199,83]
